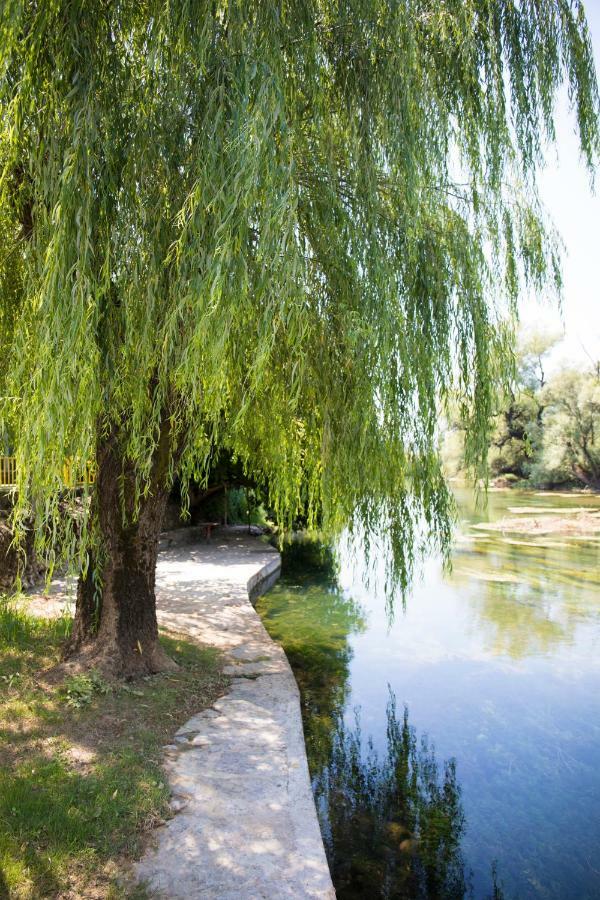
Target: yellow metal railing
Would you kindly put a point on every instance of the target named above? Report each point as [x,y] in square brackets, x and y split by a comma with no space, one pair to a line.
[70,478]
[8,473]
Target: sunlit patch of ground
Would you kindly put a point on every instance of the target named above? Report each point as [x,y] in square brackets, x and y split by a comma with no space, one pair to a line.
[81,784]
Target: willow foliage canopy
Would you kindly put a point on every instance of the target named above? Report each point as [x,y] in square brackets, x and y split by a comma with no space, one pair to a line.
[287,230]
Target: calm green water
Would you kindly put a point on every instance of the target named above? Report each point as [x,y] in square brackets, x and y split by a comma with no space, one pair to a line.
[455,752]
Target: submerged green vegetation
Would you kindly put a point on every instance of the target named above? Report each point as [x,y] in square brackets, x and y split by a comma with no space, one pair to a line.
[81,782]
[393,825]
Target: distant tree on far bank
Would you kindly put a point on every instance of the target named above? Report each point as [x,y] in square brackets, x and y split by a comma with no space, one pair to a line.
[547,429]
[570,450]
[518,432]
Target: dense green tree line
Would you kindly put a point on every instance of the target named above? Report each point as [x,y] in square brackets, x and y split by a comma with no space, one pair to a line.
[547,430]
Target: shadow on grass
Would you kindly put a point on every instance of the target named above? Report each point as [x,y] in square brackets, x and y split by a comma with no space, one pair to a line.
[80,775]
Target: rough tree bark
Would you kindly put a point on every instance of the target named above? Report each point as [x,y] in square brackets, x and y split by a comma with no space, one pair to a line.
[115,627]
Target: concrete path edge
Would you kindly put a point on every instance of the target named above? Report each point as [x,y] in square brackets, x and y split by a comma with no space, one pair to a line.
[245,823]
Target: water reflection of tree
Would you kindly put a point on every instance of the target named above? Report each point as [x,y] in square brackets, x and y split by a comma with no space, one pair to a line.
[392,826]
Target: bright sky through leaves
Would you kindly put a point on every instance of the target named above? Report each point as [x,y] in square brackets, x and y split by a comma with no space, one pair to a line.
[575,210]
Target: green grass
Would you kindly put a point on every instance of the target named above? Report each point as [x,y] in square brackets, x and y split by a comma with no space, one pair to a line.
[80,778]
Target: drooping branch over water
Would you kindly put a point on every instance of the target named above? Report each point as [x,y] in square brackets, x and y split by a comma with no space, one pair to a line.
[244,222]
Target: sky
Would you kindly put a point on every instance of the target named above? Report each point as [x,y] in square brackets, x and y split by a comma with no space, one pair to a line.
[575,211]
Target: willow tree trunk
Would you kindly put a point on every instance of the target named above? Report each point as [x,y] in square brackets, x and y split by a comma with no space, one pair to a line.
[115,627]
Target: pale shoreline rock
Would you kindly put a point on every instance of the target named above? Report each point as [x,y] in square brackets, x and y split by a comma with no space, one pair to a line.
[546,522]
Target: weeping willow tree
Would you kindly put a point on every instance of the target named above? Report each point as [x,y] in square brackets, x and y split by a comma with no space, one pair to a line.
[284,231]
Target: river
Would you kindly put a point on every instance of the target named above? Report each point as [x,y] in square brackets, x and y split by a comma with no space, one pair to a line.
[454,749]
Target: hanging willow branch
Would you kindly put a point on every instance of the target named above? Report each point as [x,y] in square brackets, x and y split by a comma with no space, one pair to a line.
[289,229]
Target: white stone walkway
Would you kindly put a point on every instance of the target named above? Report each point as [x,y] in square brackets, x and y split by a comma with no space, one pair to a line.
[246,825]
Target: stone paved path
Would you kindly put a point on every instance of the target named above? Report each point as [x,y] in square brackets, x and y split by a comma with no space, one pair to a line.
[246,825]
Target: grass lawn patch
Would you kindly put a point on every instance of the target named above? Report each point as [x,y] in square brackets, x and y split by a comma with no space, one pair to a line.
[81,783]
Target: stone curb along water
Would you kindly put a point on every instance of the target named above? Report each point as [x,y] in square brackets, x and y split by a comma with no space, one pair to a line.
[245,824]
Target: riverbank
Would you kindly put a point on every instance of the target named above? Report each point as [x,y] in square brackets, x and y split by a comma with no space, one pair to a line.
[242,820]
[246,824]
[574,521]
